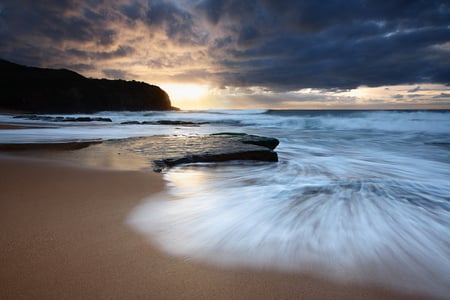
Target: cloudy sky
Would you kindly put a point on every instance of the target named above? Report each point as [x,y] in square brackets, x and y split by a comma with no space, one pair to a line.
[245,54]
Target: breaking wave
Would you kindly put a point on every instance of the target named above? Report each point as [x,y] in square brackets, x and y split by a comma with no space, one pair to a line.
[352,199]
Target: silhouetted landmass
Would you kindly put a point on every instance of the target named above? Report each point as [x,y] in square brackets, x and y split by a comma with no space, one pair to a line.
[39,90]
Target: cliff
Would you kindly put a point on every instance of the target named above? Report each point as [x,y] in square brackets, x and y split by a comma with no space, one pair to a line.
[39,90]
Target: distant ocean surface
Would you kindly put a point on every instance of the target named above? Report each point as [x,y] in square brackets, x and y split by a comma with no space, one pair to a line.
[359,196]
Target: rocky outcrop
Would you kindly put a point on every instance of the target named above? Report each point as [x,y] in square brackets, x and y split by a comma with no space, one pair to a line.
[62,119]
[38,90]
[164,122]
[219,148]
[267,142]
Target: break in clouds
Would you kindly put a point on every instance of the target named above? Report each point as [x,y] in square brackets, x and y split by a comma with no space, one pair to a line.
[276,44]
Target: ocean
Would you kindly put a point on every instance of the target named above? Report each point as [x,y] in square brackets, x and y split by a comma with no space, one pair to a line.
[357,196]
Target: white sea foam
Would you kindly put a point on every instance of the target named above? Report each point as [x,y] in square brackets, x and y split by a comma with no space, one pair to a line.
[349,200]
[357,196]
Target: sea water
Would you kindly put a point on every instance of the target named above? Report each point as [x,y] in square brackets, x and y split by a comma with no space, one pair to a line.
[357,196]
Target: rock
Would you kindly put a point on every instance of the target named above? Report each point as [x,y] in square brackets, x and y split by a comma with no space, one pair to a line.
[38,90]
[219,148]
[164,122]
[270,143]
[62,119]
[86,119]
[184,123]
[258,155]
[131,123]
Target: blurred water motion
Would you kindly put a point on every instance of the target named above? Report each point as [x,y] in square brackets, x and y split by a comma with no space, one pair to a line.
[361,196]
[363,230]
[358,206]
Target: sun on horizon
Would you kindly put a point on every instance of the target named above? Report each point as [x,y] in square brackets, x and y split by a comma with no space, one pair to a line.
[187,95]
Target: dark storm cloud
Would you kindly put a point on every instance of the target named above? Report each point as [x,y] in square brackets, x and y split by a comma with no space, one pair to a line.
[416,89]
[134,10]
[411,96]
[59,33]
[55,20]
[115,73]
[326,44]
[178,24]
[442,95]
[121,51]
[278,44]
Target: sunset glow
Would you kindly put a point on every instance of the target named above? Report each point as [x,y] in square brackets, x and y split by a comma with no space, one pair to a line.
[187,96]
[367,54]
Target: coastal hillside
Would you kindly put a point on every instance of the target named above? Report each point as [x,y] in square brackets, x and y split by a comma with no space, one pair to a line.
[38,90]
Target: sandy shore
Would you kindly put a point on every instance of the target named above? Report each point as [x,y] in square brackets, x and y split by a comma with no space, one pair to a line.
[63,237]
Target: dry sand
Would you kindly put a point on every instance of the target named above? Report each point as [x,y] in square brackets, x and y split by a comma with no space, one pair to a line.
[63,237]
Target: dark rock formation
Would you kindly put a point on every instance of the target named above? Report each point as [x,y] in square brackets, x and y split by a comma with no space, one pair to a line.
[63,119]
[164,122]
[220,148]
[184,123]
[38,90]
[227,155]
[131,123]
[270,143]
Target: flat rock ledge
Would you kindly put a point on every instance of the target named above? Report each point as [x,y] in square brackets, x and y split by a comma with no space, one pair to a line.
[219,147]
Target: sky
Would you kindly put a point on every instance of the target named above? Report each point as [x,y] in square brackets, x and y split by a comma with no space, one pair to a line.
[219,54]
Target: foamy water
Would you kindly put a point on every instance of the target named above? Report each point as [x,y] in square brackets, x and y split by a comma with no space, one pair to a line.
[356,196]
[347,201]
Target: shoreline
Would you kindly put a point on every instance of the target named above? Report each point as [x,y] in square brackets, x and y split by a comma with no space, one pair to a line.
[64,236]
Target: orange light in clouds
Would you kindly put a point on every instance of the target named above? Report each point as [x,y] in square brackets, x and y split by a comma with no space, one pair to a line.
[187,96]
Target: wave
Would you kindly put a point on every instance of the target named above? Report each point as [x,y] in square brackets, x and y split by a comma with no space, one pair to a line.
[359,205]
[342,226]
[276,122]
[236,111]
[393,121]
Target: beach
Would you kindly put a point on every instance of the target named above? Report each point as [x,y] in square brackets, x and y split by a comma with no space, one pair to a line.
[64,236]
[166,149]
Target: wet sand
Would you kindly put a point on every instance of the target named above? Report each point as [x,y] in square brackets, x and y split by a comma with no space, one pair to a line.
[12,126]
[63,236]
